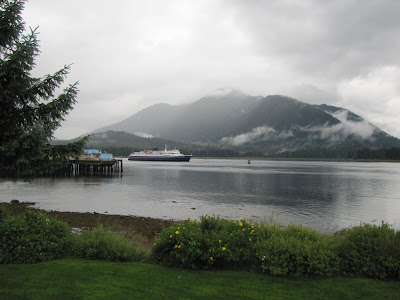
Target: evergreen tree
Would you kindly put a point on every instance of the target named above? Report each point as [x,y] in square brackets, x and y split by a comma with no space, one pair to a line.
[30,111]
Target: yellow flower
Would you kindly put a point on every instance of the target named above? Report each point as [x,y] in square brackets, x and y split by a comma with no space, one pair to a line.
[243,229]
[170,236]
[177,232]
[211,258]
[241,224]
[179,246]
[219,241]
[249,239]
[223,248]
[241,219]
[252,226]
[155,244]
[176,246]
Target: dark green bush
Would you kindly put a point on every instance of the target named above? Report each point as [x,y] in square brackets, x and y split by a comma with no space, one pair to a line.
[295,251]
[210,242]
[102,244]
[214,242]
[282,251]
[183,245]
[4,214]
[370,250]
[31,238]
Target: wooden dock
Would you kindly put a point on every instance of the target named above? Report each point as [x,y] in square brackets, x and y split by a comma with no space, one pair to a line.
[99,167]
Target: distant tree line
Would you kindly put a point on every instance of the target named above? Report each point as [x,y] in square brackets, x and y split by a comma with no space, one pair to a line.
[341,153]
[310,153]
[117,151]
[385,154]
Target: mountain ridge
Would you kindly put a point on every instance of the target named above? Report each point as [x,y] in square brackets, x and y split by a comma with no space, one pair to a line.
[270,123]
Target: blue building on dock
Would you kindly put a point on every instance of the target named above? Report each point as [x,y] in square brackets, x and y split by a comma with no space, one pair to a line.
[91,151]
[95,154]
[95,161]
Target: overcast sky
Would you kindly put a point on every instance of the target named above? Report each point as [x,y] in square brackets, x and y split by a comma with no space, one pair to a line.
[130,54]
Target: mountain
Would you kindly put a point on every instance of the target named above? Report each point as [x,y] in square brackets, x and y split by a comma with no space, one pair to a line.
[248,123]
[206,119]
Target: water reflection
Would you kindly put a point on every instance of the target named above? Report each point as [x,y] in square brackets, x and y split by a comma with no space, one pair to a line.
[324,195]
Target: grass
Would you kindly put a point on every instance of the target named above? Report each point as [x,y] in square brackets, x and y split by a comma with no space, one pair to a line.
[85,279]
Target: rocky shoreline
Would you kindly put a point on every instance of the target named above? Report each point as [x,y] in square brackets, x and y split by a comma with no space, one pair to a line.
[140,229]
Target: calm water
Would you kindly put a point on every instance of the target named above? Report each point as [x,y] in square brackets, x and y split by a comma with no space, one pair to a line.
[326,196]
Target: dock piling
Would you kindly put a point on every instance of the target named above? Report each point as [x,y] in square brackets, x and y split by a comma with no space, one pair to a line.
[106,167]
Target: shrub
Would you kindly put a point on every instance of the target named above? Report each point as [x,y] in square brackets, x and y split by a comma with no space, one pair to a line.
[281,251]
[210,242]
[102,244]
[295,251]
[183,245]
[370,250]
[31,238]
[4,213]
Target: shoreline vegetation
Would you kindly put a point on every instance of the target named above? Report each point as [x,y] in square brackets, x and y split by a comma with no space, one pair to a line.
[301,159]
[143,230]
[110,255]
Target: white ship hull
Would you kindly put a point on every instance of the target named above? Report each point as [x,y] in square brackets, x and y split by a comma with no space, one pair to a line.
[155,155]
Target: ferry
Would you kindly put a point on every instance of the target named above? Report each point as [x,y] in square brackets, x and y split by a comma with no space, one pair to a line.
[157,155]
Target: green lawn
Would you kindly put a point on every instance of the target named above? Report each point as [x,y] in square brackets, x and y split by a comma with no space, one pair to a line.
[84,279]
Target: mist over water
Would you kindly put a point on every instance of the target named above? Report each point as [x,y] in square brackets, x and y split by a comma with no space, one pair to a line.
[326,196]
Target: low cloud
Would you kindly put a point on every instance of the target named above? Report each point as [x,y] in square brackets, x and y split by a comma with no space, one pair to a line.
[144,135]
[247,137]
[103,135]
[348,126]
[341,131]
[361,127]
[260,133]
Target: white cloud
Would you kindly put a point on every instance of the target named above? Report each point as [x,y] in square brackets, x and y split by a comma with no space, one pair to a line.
[339,132]
[262,133]
[144,135]
[329,133]
[249,136]
[360,128]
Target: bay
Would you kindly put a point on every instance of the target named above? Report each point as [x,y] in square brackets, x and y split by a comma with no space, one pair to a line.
[326,196]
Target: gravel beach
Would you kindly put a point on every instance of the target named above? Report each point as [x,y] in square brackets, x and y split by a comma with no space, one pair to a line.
[141,229]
